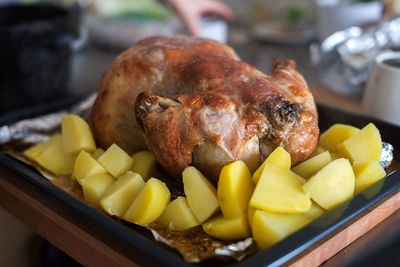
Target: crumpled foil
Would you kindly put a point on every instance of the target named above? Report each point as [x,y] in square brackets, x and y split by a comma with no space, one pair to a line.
[386,155]
[38,129]
[193,244]
[350,53]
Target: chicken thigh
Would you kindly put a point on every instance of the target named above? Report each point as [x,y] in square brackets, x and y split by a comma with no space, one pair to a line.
[193,102]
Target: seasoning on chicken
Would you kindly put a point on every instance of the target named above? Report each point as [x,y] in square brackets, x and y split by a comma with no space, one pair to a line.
[193,102]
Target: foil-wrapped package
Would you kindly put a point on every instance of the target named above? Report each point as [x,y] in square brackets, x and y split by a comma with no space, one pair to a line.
[350,53]
[357,54]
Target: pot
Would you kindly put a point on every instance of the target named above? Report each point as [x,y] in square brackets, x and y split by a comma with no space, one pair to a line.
[35,52]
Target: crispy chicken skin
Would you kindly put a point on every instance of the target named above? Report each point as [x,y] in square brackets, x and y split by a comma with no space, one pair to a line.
[193,102]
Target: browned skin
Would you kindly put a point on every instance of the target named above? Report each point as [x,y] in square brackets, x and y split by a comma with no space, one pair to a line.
[214,108]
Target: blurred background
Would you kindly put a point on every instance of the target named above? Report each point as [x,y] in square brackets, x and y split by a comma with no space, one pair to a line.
[56,55]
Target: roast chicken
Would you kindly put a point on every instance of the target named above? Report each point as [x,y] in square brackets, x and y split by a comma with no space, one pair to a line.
[192,101]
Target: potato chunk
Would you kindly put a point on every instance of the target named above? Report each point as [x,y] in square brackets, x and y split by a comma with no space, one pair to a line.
[149,204]
[97,153]
[365,145]
[121,194]
[54,159]
[178,215]
[234,189]
[201,194]
[367,173]
[336,134]
[332,185]
[250,214]
[144,163]
[336,155]
[34,151]
[76,135]
[315,211]
[115,160]
[318,151]
[278,157]
[269,228]
[312,165]
[85,166]
[95,186]
[227,228]
[279,190]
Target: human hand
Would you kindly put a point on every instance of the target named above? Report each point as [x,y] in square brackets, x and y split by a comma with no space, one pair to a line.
[192,10]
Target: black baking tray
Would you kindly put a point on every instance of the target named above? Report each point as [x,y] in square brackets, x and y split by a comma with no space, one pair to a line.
[274,256]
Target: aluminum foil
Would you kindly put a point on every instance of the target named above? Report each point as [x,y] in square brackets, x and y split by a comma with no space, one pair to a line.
[386,155]
[196,246]
[193,244]
[38,129]
[350,53]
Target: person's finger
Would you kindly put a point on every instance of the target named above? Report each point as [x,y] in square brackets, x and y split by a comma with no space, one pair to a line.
[218,8]
[191,12]
[192,23]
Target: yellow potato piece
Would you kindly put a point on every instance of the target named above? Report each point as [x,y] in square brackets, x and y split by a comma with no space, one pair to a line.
[149,204]
[332,185]
[85,166]
[367,173]
[115,160]
[336,134]
[279,190]
[278,157]
[234,189]
[318,151]
[312,165]
[373,191]
[95,186]
[76,135]
[178,215]
[365,145]
[97,153]
[250,214]
[315,211]
[121,194]
[227,229]
[269,228]
[334,215]
[300,179]
[73,176]
[144,163]
[54,159]
[336,155]
[201,194]
[34,151]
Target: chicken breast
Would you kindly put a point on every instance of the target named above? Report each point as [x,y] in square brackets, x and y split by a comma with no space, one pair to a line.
[193,102]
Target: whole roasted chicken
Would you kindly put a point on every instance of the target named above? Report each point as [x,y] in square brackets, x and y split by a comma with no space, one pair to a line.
[193,102]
